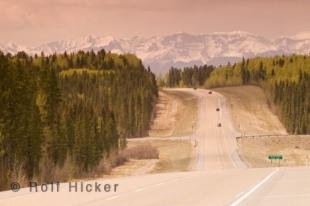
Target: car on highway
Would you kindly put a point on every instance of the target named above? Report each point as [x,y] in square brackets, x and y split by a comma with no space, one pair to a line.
[217,109]
[219,125]
[210,92]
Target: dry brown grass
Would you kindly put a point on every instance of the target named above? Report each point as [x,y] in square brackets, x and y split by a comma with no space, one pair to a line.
[142,151]
[107,164]
[251,112]
[174,155]
[175,112]
[186,114]
[137,159]
[164,115]
[295,150]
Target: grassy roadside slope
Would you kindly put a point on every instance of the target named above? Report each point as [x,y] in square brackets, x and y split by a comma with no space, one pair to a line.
[251,111]
[176,111]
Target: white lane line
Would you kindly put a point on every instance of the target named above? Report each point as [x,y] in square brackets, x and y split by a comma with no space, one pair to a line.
[124,193]
[139,190]
[146,187]
[113,197]
[248,193]
[238,195]
[158,184]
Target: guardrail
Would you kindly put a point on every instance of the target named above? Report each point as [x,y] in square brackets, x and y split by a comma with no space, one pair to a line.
[267,135]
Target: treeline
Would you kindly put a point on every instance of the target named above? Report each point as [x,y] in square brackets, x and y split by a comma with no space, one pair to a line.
[65,115]
[285,80]
[188,77]
[293,100]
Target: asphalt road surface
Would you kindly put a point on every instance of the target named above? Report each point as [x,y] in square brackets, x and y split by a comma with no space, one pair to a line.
[216,148]
[219,177]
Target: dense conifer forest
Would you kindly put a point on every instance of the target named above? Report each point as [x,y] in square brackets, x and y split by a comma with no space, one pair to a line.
[69,112]
[284,79]
[188,77]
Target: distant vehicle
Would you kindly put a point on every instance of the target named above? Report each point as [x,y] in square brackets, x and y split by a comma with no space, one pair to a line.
[219,125]
[217,109]
[210,92]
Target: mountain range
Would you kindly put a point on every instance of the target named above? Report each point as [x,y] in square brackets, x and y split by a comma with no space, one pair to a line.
[180,49]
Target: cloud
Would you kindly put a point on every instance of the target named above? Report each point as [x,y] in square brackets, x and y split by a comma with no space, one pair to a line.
[142,5]
[13,15]
[59,13]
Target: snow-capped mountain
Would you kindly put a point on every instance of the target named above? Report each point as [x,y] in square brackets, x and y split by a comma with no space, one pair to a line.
[299,43]
[12,48]
[181,49]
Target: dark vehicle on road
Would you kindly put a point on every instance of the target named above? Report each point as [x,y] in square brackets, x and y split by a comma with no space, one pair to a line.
[210,92]
[217,109]
[219,125]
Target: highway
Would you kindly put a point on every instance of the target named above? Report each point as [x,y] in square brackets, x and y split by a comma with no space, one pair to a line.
[188,188]
[219,176]
[216,147]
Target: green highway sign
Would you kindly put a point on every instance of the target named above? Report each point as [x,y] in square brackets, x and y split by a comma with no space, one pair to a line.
[275,157]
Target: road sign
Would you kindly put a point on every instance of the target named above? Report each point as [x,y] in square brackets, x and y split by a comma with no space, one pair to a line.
[275,157]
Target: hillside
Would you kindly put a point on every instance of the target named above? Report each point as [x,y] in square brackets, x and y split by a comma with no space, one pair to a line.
[284,79]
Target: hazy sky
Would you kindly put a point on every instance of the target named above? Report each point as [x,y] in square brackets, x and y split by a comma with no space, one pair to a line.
[31,22]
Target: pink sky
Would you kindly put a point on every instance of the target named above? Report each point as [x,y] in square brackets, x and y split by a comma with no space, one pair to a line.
[31,22]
